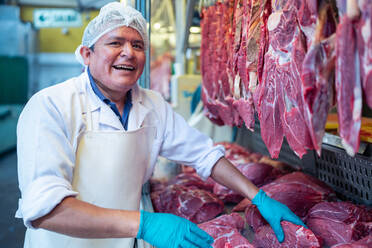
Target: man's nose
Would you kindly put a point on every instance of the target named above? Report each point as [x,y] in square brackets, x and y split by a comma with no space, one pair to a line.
[127,50]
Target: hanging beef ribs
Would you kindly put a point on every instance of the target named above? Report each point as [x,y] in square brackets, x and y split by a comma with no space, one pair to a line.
[295,237]
[226,231]
[194,204]
[348,85]
[364,40]
[339,222]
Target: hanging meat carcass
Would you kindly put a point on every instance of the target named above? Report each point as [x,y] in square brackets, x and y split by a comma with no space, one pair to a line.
[317,75]
[364,41]
[348,85]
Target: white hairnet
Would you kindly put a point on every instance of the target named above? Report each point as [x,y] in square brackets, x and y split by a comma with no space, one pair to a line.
[111,16]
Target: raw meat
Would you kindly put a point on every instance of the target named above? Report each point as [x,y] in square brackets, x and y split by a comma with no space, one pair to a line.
[298,191]
[191,180]
[318,80]
[193,204]
[364,39]
[258,173]
[339,222]
[226,231]
[365,242]
[295,237]
[348,85]
[253,217]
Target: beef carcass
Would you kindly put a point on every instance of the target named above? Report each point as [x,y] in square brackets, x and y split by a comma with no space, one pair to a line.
[318,77]
[348,85]
[365,242]
[194,204]
[226,231]
[339,222]
[295,237]
[364,40]
[258,173]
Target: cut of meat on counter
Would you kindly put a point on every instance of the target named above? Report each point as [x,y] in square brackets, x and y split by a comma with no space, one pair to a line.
[226,231]
[191,180]
[365,242]
[295,237]
[299,191]
[238,154]
[296,190]
[194,204]
[339,222]
[258,173]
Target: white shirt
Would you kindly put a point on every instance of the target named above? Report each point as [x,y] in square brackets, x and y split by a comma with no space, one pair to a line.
[53,120]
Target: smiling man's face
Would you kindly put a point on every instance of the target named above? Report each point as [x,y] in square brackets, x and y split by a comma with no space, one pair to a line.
[117,60]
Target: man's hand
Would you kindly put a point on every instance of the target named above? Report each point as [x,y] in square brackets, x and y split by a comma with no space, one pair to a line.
[274,212]
[167,231]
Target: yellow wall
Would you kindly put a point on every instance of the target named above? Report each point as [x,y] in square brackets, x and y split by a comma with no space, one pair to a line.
[51,40]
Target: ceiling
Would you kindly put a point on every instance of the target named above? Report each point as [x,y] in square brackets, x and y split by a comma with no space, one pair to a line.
[81,4]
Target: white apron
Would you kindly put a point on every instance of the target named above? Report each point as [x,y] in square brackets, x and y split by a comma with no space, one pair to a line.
[109,172]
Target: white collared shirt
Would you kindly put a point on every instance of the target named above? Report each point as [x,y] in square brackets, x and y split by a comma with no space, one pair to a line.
[53,120]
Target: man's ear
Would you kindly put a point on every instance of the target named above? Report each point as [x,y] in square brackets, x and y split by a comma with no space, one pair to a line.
[85,52]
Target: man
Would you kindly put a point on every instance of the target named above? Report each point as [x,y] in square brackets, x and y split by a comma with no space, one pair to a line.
[86,146]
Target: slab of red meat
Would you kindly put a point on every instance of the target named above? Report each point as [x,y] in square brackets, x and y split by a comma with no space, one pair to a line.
[364,39]
[258,173]
[191,180]
[298,191]
[318,79]
[348,85]
[339,222]
[196,205]
[253,217]
[365,242]
[226,231]
[210,90]
[295,237]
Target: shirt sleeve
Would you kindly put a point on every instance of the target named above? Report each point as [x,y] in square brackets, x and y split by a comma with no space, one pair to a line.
[186,145]
[45,159]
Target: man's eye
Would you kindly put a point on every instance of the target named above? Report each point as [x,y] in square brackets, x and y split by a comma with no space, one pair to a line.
[114,43]
[138,46]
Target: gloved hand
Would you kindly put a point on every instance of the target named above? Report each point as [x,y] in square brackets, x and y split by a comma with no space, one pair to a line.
[274,212]
[170,231]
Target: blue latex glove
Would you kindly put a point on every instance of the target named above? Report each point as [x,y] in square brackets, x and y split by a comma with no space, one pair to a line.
[274,212]
[168,231]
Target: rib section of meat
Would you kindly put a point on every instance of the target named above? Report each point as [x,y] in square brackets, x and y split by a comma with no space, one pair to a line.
[193,204]
[226,231]
[339,222]
[295,237]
